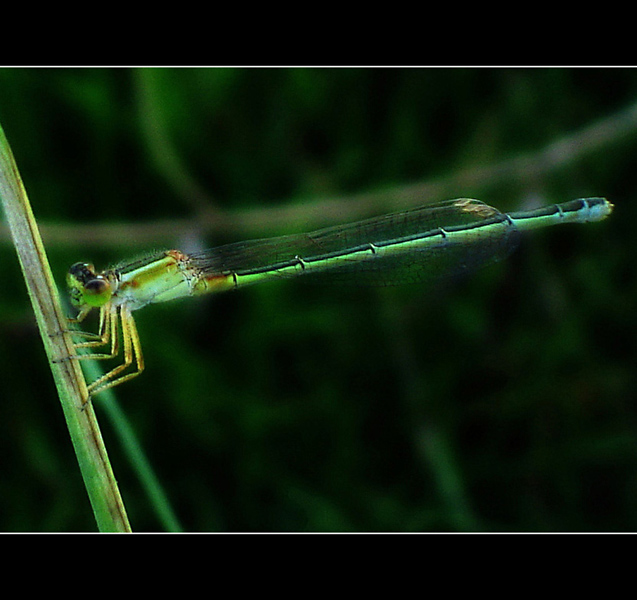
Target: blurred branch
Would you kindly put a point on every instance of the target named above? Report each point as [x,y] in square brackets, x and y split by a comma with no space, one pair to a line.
[309,214]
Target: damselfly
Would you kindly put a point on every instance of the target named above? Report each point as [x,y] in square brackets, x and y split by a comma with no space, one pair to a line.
[421,244]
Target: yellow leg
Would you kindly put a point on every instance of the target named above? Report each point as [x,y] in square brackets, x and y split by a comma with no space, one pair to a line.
[132,353]
[107,334]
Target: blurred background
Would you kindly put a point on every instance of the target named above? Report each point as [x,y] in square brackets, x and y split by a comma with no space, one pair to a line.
[503,401]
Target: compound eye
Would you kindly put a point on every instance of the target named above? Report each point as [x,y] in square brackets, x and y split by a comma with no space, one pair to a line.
[97,286]
[82,272]
[97,291]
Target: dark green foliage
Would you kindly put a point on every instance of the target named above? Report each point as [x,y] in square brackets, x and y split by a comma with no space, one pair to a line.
[501,402]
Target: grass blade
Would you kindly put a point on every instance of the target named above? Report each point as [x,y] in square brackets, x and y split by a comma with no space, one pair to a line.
[95,467]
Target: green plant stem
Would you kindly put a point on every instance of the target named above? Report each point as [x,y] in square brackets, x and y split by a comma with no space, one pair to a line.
[157,498]
[95,467]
